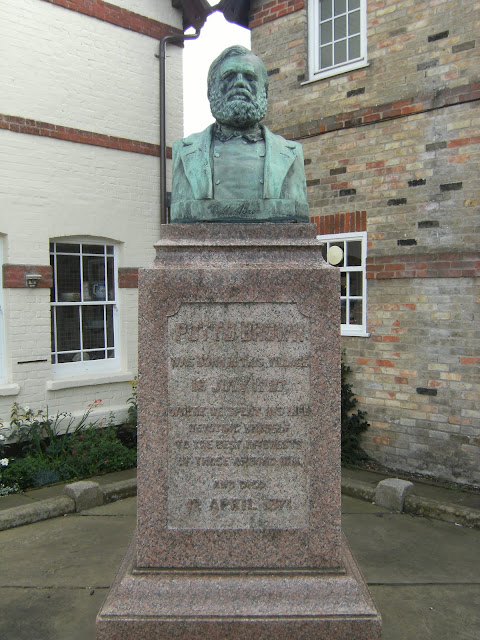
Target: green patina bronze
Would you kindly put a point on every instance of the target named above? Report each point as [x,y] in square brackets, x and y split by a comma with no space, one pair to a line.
[237,170]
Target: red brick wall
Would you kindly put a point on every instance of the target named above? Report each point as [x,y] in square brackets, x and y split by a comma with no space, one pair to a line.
[397,142]
[14,275]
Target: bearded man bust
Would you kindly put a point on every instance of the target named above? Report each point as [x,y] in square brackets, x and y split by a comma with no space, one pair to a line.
[237,170]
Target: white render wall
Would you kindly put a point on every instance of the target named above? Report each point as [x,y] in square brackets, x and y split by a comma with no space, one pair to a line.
[68,69]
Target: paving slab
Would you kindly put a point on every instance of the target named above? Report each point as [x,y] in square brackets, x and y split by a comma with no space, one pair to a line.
[429,612]
[354,505]
[398,548]
[127,507]
[423,574]
[72,551]
[49,614]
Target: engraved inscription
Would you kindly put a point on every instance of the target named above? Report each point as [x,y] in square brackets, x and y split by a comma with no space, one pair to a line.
[238,416]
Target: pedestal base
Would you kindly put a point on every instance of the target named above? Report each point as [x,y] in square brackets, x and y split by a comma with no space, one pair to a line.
[238,605]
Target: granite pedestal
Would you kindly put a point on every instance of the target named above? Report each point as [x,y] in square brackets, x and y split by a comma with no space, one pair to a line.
[238,527]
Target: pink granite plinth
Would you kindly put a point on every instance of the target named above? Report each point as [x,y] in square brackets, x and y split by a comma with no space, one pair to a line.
[238,605]
[238,520]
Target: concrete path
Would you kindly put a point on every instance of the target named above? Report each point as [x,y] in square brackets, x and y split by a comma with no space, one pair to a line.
[423,574]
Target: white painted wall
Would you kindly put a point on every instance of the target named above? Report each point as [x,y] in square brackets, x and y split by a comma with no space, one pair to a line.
[51,188]
[161,11]
[69,69]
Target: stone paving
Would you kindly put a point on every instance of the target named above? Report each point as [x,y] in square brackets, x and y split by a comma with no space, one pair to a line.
[423,574]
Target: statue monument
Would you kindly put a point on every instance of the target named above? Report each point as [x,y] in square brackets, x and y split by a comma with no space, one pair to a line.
[237,170]
[238,508]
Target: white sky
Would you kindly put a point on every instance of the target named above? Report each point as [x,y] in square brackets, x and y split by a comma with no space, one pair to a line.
[216,35]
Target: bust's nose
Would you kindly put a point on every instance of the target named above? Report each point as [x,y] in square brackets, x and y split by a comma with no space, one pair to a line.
[240,81]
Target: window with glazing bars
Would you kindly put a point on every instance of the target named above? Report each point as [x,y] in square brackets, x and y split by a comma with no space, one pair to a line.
[347,251]
[337,35]
[83,302]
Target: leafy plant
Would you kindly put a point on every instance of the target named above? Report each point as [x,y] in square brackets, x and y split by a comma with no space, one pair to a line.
[354,423]
[132,411]
[47,450]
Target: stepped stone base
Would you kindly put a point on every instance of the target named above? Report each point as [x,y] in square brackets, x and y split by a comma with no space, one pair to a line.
[238,605]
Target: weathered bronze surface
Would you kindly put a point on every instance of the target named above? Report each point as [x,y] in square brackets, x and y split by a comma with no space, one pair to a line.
[237,170]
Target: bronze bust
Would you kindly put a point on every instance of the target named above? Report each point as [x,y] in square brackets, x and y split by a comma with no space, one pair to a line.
[237,170]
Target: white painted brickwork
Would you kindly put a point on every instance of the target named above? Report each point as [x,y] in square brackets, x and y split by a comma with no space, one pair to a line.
[69,69]
[156,9]
[52,188]
[66,68]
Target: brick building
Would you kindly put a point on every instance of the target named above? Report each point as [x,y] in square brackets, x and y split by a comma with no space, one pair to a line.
[79,194]
[384,96]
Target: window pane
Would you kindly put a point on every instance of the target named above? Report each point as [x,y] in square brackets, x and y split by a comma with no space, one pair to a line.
[355,312]
[95,355]
[109,320]
[353,4]
[67,248]
[110,280]
[343,284]
[68,328]
[343,312]
[340,51]
[340,27]
[93,248]
[354,47]
[325,9]
[340,6]
[53,292]
[326,32]
[68,278]
[354,254]
[353,23]
[94,272]
[326,56]
[93,327]
[110,249]
[356,283]
[69,357]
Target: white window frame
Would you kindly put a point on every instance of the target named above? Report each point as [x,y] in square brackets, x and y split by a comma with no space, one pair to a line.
[315,71]
[358,236]
[88,367]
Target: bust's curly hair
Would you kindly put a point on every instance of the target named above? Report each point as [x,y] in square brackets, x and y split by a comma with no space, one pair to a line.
[231,52]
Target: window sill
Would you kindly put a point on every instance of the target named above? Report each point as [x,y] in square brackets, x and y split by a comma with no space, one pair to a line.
[335,72]
[9,389]
[357,334]
[89,380]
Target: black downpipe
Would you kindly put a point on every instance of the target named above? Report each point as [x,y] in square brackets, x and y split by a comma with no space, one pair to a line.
[163,142]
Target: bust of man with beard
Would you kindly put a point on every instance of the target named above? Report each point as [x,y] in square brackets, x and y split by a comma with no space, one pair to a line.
[237,170]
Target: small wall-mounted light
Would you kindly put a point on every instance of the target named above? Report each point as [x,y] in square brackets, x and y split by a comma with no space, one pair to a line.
[32,279]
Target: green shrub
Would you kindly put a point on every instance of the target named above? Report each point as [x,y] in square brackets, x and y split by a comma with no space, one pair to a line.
[353,423]
[42,455]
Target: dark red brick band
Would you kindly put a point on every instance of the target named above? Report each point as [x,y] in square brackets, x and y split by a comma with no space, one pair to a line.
[439,265]
[47,129]
[340,222]
[128,277]
[119,17]
[14,275]
[274,9]
[381,113]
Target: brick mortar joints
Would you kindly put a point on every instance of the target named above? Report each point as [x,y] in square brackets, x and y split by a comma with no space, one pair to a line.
[119,17]
[18,124]
[348,124]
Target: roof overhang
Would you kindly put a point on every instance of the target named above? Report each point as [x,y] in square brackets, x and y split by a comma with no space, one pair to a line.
[195,12]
